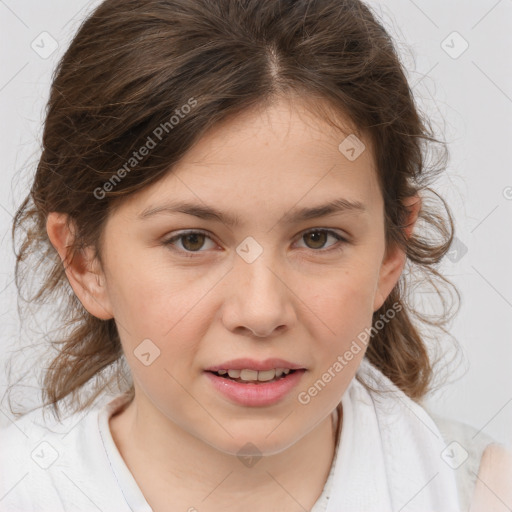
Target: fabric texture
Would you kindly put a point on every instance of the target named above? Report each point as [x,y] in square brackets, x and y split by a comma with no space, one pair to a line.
[466,446]
[391,453]
[390,456]
[459,446]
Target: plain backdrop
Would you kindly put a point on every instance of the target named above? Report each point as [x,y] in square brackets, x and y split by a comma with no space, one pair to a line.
[458,57]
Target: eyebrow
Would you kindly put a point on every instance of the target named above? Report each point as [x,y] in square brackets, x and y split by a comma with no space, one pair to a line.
[336,206]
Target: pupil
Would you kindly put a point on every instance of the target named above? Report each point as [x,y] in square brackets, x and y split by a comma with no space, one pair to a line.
[315,234]
[194,237]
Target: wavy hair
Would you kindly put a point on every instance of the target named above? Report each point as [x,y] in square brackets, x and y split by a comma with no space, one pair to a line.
[132,64]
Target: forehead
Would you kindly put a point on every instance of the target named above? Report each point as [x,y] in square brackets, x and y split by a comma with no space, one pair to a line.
[269,160]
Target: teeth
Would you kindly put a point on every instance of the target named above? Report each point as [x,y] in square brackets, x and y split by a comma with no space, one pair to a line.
[266,375]
[253,375]
[249,375]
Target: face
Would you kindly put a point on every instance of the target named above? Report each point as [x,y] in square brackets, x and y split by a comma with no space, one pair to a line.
[191,291]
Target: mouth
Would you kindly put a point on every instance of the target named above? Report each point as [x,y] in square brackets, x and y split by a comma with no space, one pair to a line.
[248,376]
[255,388]
[255,383]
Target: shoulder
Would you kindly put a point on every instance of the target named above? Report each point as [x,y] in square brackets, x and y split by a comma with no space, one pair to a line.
[493,489]
[483,467]
[28,449]
[46,464]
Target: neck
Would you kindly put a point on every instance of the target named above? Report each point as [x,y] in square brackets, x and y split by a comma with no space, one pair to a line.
[162,456]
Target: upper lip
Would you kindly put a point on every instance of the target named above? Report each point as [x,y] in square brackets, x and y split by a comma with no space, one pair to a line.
[253,364]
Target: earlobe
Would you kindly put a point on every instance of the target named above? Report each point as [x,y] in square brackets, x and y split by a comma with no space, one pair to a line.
[394,261]
[83,269]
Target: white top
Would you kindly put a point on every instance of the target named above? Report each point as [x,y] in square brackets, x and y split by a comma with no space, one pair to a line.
[47,466]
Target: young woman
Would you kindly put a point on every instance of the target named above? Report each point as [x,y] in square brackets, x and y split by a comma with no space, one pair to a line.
[227,198]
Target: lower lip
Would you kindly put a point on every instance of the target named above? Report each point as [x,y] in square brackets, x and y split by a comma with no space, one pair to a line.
[253,395]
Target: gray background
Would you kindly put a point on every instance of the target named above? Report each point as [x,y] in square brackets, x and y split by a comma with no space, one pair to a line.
[469,97]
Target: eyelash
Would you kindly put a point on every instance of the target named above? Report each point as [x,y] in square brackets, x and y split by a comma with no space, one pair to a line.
[192,254]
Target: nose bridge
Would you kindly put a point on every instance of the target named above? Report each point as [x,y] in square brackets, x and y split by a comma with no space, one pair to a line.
[260,300]
[256,267]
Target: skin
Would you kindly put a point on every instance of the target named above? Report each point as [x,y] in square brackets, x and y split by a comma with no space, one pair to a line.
[299,300]
[493,488]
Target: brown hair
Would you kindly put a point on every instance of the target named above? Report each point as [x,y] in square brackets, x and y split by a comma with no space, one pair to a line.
[135,63]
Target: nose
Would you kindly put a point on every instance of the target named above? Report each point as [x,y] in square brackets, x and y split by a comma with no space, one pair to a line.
[258,300]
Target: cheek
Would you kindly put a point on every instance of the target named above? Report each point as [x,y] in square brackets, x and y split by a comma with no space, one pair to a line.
[340,307]
[165,305]
[142,289]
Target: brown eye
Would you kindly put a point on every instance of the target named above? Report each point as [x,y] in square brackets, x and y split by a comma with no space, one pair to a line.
[191,242]
[316,239]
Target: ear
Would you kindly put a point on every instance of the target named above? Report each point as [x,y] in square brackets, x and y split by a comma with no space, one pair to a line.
[83,270]
[395,258]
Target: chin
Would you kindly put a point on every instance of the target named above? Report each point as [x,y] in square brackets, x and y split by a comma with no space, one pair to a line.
[257,444]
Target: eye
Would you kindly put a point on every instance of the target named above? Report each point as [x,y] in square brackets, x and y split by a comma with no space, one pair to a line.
[192,241]
[318,237]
